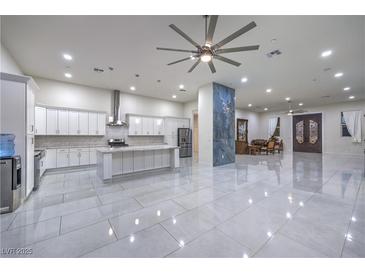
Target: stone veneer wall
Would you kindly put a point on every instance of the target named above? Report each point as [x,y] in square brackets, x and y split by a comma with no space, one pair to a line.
[223,125]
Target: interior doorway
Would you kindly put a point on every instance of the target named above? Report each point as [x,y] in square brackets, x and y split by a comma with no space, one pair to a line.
[195,137]
[307,133]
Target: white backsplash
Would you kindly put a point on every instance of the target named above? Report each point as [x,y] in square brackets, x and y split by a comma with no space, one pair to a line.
[111,132]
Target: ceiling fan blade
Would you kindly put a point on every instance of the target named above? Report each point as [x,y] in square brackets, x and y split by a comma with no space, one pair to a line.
[180,50]
[195,64]
[211,66]
[229,61]
[212,23]
[183,34]
[235,35]
[178,61]
[247,48]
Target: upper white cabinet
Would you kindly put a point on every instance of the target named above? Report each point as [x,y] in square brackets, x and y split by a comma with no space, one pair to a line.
[63,122]
[147,125]
[135,125]
[78,123]
[93,123]
[158,126]
[101,124]
[83,123]
[53,121]
[40,121]
[73,122]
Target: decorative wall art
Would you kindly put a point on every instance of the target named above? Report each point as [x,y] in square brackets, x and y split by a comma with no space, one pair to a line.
[299,132]
[242,125]
[313,132]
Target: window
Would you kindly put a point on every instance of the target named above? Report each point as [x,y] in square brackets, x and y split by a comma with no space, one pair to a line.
[277,129]
[344,131]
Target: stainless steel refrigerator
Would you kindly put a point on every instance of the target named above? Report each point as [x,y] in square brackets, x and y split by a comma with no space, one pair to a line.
[184,142]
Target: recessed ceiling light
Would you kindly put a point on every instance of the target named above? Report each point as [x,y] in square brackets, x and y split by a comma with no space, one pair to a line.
[346,88]
[287,98]
[244,80]
[338,74]
[181,86]
[132,88]
[300,104]
[326,53]
[174,96]
[67,56]
[68,75]
[265,109]
[351,97]
[249,105]
[269,90]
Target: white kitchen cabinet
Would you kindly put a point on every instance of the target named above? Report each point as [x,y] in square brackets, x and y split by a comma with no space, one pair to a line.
[29,165]
[148,159]
[73,157]
[30,110]
[170,126]
[62,157]
[40,121]
[84,156]
[117,163]
[62,122]
[92,156]
[135,125]
[138,161]
[157,158]
[93,123]
[147,126]
[101,123]
[52,121]
[158,126]
[83,123]
[171,140]
[127,162]
[51,158]
[165,158]
[182,123]
[73,122]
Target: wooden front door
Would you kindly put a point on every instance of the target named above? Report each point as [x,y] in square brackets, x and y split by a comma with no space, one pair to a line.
[307,133]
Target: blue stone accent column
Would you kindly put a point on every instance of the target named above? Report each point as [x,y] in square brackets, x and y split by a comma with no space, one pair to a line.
[223,125]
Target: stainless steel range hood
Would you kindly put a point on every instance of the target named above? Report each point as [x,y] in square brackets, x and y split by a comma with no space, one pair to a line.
[116,105]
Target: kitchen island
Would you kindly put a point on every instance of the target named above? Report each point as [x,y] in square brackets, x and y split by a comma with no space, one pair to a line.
[117,161]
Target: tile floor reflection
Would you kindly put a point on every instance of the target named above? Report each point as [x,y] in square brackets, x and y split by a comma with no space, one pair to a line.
[288,205]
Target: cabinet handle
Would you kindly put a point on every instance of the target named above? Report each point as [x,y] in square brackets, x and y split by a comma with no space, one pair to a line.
[97,132]
[135,132]
[32,140]
[36,131]
[32,128]
[78,131]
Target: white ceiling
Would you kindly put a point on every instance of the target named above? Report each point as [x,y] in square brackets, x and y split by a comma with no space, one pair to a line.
[128,44]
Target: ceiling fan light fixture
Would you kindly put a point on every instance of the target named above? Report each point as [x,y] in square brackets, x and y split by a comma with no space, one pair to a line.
[206,57]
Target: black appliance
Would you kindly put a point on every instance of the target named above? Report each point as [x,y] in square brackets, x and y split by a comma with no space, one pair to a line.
[11,181]
[38,155]
[184,142]
[117,143]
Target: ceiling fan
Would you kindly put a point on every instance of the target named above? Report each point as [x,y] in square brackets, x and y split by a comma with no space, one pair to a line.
[210,51]
[293,111]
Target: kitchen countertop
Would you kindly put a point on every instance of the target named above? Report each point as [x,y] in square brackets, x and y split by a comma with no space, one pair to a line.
[134,148]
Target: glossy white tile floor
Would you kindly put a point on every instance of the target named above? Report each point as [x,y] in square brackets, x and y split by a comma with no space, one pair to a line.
[300,205]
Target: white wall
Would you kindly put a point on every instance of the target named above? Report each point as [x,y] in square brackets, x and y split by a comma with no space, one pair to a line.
[62,94]
[332,140]
[253,123]
[189,109]
[205,108]
[8,63]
